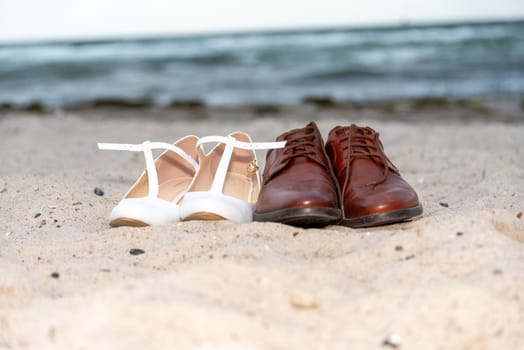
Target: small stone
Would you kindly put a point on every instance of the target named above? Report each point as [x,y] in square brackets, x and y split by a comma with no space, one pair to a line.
[136,251]
[519,215]
[409,257]
[304,300]
[51,206]
[51,333]
[99,191]
[445,205]
[55,275]
[398,248]
[78,203]
[483,202]
[459,233]
[392,341]
[295,234]
[3,190]
[497,272]
[43,222]
[37,215]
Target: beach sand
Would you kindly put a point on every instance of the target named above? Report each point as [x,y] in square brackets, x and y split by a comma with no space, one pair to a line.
[453,279]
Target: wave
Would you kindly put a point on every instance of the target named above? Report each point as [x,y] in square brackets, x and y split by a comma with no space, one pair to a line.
[282,67]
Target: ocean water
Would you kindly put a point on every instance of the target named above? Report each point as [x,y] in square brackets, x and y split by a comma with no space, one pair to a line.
[454,60]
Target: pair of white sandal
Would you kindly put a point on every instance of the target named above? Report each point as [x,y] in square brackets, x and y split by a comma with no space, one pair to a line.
[185,183]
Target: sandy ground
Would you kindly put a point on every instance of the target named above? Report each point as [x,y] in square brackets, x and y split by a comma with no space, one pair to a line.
[453,279]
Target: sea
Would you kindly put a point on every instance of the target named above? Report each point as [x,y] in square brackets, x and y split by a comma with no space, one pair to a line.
[456,60]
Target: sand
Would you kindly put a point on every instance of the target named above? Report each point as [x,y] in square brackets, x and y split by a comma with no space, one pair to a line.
[454,279]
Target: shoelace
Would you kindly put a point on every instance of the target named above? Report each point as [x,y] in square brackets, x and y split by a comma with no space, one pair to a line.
[364,143]
[299,146]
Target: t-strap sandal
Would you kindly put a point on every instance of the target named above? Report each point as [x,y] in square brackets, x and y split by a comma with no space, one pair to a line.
[155,196]
[227,183]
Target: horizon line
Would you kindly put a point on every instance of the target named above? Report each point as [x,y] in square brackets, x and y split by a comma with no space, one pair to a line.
[404,23]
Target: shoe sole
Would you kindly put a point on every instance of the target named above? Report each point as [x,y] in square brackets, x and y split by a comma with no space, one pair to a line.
[204,216]
[127,222]
[302,217]
[390,217]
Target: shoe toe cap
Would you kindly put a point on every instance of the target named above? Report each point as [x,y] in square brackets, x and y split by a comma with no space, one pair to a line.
[296,197]
[151,211]
[375,202]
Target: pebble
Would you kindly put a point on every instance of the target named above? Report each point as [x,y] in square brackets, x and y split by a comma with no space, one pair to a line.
[398,248]
[51,206]
[136,251]
[445,205]
[482,202]
[519,215]
[459,233]
[51,333]
[37,215]
[392,341]
[304,300]
[264,281]
[99,191]
[55,275]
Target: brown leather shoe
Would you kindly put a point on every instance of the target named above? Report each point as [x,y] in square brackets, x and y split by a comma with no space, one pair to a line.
[372,191]
[299,186]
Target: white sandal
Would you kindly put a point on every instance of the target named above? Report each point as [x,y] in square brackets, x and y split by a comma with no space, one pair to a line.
[155,196]
[227,183]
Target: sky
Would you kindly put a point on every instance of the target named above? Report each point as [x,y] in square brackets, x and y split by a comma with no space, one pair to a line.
[22,20]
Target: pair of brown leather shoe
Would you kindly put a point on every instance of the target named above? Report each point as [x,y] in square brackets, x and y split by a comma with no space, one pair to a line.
[349,181]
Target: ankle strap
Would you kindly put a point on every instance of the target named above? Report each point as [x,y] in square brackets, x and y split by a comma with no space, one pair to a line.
[230,140]
[231,143]
[147,148]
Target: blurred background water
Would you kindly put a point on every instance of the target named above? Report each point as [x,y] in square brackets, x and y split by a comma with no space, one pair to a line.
[454,60]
